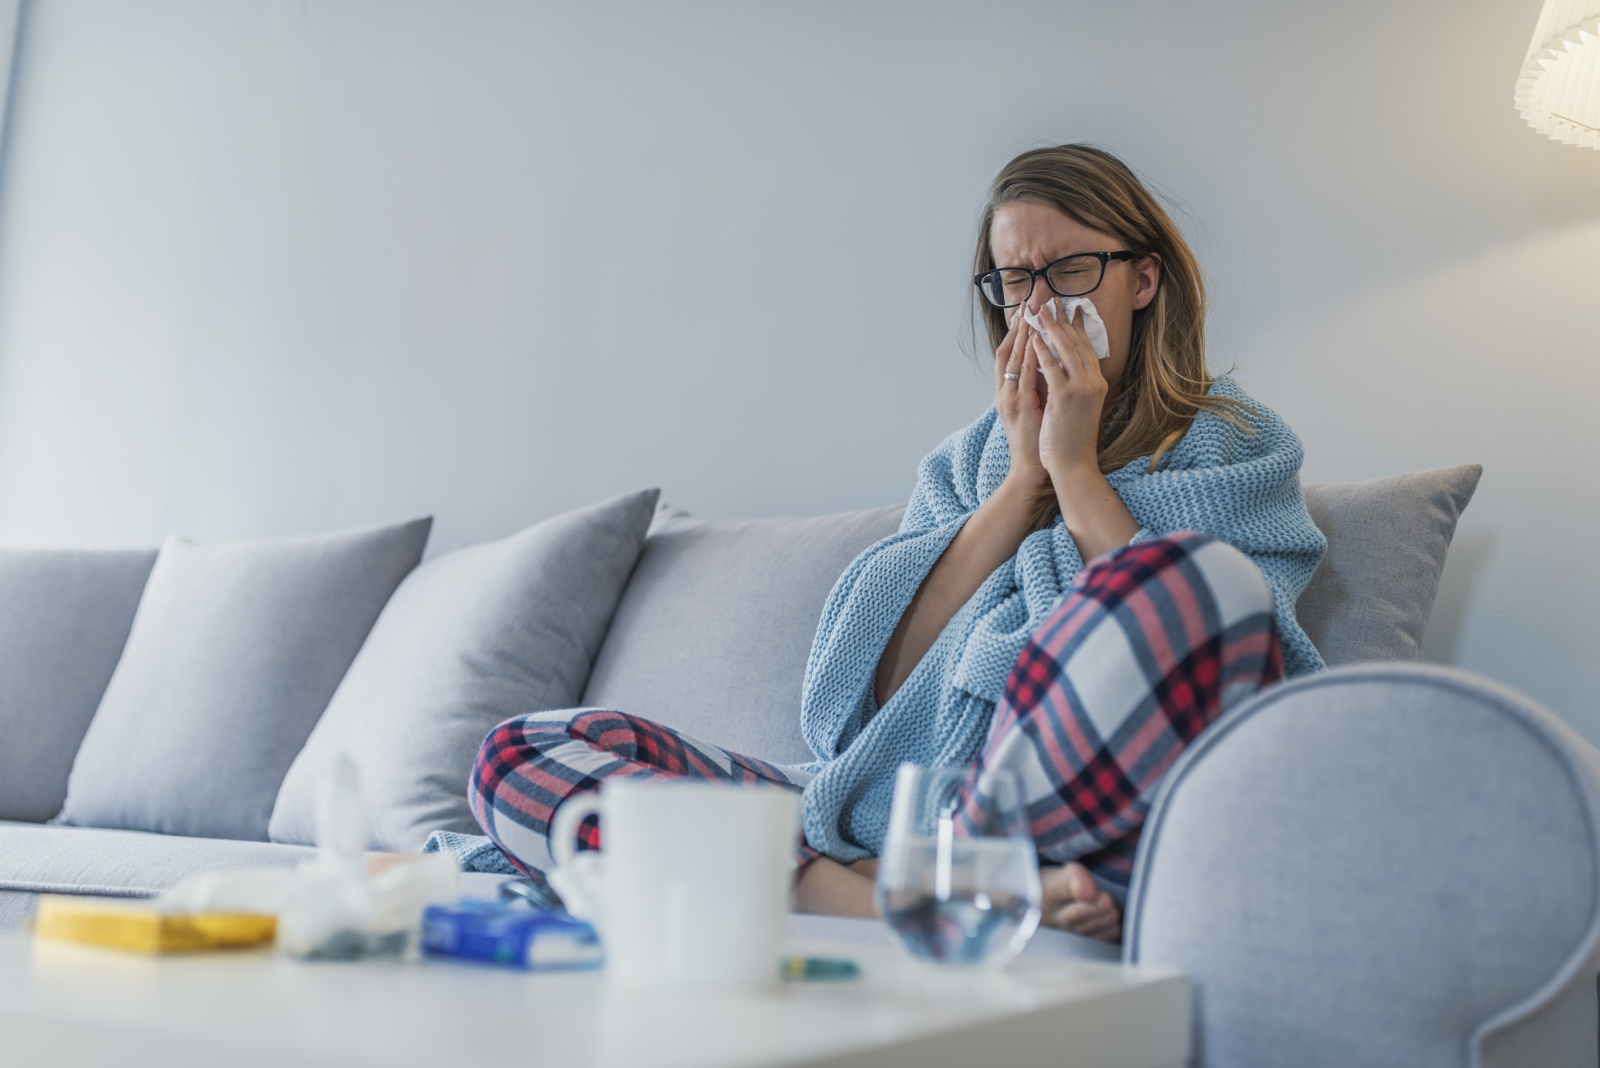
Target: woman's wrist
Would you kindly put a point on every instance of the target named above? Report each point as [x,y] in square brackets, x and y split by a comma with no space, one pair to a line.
[1095,515]
[1075,472]
[1081,491]
[1027,478]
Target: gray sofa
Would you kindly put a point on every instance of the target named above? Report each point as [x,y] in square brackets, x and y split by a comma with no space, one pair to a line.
[704,625]
[1381,864]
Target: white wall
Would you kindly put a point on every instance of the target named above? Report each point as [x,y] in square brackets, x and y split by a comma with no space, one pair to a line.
[285,266]
[9,9]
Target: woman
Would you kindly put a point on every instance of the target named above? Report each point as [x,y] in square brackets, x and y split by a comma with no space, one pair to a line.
[977,636]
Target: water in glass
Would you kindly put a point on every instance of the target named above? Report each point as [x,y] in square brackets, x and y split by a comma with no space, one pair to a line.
[958,882]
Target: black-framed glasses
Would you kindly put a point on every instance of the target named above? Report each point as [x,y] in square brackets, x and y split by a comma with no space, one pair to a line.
[1070,276]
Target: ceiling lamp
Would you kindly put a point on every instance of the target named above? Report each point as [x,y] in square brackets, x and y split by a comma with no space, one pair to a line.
[1558,91]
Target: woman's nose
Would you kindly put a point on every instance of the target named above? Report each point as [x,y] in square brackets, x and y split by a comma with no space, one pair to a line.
[1040,296]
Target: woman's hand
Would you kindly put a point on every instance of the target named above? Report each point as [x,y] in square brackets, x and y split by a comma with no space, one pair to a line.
[1069,428]
[991,534]
[1018,402]
[1069,438]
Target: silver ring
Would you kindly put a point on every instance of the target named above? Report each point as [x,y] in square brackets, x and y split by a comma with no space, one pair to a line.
[1012,376]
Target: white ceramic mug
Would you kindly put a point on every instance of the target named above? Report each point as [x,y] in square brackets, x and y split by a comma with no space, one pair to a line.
[691,885]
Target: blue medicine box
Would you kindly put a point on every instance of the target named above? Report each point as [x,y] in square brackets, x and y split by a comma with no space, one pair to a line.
[509,935]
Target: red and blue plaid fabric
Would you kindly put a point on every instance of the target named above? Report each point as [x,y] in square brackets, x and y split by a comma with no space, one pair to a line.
[1150,645]
[529,765]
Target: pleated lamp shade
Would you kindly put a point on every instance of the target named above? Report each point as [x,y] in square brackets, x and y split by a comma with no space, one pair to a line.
[1559,89]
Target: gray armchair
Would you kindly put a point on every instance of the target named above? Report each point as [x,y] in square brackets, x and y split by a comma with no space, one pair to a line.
[1388,864]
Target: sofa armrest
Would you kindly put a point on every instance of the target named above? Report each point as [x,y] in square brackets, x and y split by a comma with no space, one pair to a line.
[1379,864]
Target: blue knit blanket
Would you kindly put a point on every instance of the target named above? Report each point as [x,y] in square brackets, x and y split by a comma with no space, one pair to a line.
[1240,486]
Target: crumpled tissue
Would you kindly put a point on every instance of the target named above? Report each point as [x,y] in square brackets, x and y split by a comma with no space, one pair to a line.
[336,904]
[1061,309]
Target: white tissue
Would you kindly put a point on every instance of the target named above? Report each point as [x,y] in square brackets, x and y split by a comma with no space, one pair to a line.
[1061,310]
[332,901]
[252,891]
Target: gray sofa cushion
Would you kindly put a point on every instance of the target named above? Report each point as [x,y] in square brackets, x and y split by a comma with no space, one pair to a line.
[471,638]
[64,618]
[1387,539]
[713,632]
[86,860]
[234,653]
[15,908]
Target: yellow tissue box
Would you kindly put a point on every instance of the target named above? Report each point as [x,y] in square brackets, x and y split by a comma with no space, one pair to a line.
[137,926]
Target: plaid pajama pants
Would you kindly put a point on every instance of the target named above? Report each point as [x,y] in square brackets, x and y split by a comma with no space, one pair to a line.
[1150,645]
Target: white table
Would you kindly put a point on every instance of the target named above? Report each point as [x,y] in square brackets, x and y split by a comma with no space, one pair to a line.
[66,1005]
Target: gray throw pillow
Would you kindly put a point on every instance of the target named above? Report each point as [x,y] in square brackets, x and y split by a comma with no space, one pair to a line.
[64,617]
[471,638]
[1387,539]
[234,653]
[713,633]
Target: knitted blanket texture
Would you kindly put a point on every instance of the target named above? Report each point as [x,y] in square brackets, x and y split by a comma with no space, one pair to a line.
[1240,486]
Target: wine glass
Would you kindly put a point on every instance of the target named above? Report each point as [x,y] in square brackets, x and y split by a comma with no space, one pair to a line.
[958,881]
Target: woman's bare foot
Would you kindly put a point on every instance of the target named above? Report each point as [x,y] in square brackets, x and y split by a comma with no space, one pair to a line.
[827,887]
[867,867]
[1073,901]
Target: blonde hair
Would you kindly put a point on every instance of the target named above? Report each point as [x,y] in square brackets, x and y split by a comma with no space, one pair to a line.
[1165,382]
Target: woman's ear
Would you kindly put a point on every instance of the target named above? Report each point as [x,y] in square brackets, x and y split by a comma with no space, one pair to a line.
[1146,280]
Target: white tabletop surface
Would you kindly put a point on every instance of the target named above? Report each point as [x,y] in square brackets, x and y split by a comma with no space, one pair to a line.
[67,1005]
